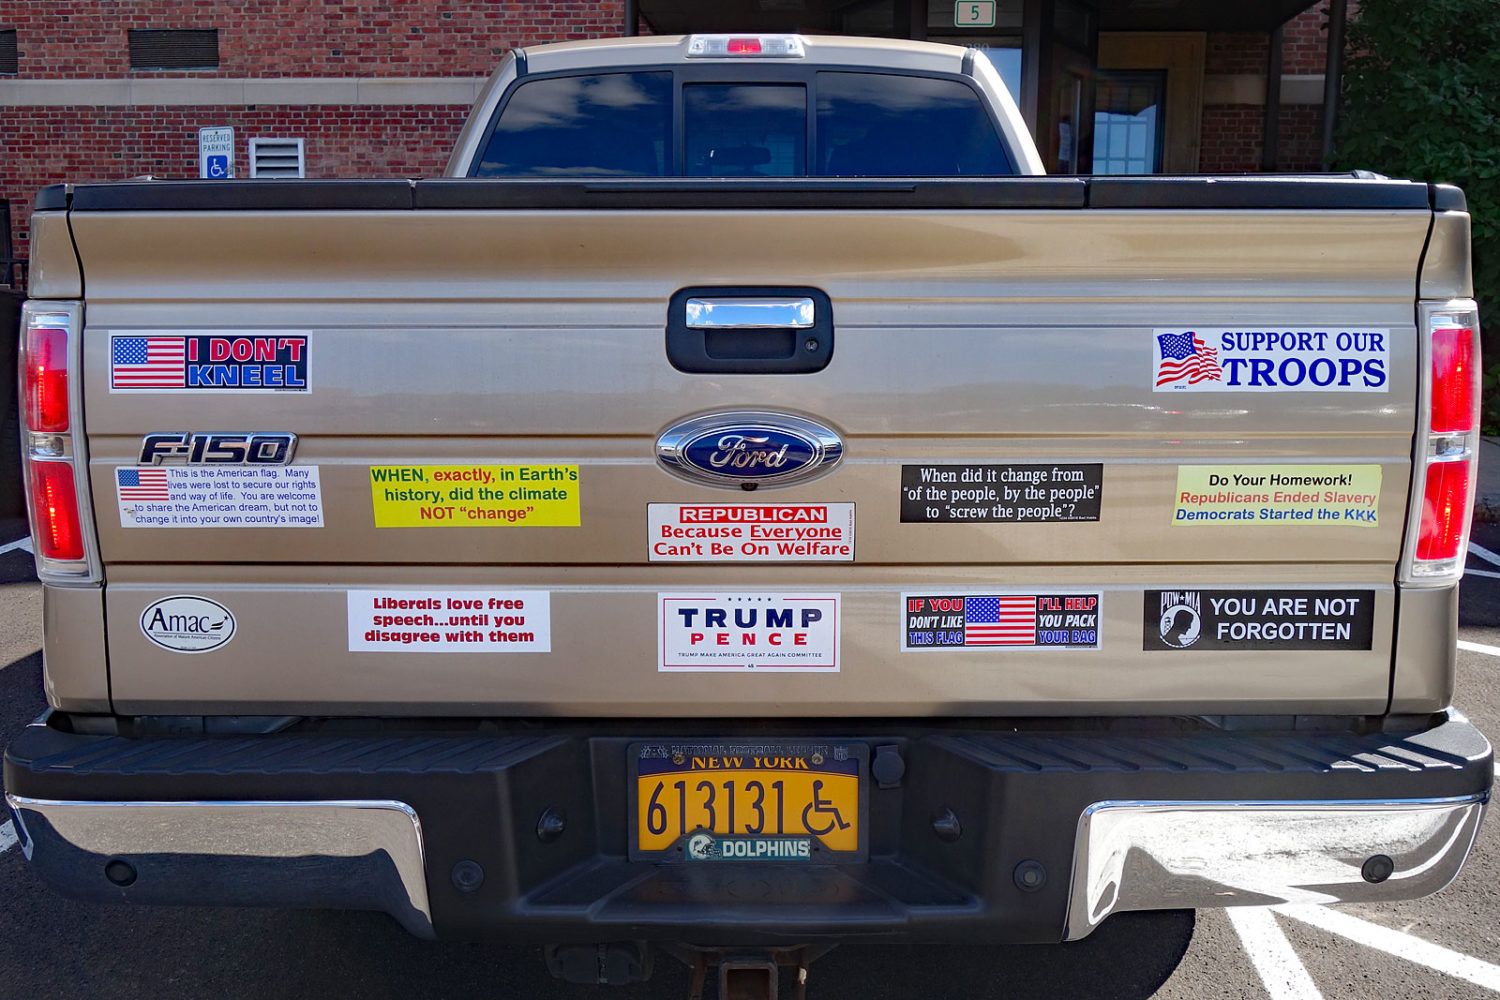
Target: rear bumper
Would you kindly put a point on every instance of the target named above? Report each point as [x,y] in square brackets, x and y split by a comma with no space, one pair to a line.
[1103,822]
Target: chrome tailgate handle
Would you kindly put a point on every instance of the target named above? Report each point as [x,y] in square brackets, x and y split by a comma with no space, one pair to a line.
[750,330]
[750,313]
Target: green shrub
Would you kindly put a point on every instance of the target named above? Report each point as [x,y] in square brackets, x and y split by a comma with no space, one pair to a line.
[1421,99]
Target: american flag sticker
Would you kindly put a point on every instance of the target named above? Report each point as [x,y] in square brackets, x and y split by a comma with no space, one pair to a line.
[147,362]
[142,484]
[1186,359]
[209,361]
[1270,359]
[998,621]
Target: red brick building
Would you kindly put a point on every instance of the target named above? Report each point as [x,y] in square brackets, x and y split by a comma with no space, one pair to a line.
[107,89]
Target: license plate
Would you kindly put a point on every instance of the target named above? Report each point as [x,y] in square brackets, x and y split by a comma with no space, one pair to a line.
[749,801]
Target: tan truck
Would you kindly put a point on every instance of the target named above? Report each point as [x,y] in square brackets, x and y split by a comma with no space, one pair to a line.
[745,508]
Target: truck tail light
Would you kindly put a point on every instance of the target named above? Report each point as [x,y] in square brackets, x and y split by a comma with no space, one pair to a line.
[56,532]
[46,375]
[51,445]
[1446,446]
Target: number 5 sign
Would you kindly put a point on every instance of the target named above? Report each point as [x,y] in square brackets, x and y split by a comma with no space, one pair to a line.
[974,14]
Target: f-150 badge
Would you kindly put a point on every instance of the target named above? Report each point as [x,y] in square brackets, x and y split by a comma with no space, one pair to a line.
[232,448]
[749,448]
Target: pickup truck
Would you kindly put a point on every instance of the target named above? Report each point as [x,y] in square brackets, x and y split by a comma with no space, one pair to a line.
[746,507]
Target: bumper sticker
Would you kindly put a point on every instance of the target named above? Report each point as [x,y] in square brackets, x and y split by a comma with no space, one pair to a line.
[1015,494]
[1219,360]
[748,632]
[219,496]
[450,621]
[1001,620]
[474,496]
[809,532]
[1259,619]
[1278,494]
[203,361]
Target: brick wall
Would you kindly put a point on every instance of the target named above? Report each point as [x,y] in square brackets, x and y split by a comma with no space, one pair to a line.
[87,38]
[1233,134]
[261,38]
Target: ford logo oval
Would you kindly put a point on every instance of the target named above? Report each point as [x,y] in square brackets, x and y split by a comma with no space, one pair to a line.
[748,448]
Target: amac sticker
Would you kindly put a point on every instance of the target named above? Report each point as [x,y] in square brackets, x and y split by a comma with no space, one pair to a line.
[1017,621]
[225,361]
[1218,360]
[187,624]
[1259,619]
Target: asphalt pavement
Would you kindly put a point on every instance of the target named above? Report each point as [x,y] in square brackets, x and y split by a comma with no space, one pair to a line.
[1446,946]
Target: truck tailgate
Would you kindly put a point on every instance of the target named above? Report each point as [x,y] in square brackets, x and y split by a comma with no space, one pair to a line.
[993,379]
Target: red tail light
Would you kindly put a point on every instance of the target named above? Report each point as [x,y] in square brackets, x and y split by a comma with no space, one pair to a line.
[743,46]
[1445,456]
[51,456]
[1445,512]
[47,379]
[54,506]
[1455,379]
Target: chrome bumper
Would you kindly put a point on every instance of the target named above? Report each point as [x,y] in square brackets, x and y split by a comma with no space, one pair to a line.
[1171,855]
[365,855]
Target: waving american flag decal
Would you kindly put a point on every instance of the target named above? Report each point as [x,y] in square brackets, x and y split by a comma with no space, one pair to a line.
[1184,359]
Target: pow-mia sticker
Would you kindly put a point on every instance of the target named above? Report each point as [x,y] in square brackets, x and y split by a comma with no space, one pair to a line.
[1258,619]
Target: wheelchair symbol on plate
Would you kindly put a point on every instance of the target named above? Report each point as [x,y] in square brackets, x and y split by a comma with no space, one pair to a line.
[822,807]
[218,167]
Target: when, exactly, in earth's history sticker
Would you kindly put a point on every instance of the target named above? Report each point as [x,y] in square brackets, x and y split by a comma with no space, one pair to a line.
[470,496]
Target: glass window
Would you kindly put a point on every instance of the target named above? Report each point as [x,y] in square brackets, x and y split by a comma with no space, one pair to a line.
[609,125]
[1128,123]
[745,130]
[878,125]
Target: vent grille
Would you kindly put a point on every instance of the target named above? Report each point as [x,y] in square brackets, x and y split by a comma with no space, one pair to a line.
[277,158]
[9,55]
[174,48]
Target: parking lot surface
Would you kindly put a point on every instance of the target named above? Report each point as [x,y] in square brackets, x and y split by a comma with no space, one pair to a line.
[1446,946]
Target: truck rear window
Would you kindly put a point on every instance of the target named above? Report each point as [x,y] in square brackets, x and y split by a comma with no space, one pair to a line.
[864,125]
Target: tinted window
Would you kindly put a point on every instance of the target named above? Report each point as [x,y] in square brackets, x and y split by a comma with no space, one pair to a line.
[613,124]
[745,130]
[875,125]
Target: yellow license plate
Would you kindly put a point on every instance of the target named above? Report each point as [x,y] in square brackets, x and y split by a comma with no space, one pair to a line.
[753,802]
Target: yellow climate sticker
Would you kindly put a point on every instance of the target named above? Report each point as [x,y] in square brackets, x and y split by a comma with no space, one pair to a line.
[465,496]
[1277,494]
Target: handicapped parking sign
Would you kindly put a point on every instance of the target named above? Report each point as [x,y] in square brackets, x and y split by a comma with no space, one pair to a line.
[216,153]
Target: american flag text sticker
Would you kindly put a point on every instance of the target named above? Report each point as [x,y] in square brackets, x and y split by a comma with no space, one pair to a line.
[219,496]
[208,362]
[1334,359]
[1026,621]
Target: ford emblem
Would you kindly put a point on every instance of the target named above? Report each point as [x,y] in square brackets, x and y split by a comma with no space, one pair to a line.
[749,448]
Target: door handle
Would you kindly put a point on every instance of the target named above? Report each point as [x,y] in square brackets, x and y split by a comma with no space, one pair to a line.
[749,330]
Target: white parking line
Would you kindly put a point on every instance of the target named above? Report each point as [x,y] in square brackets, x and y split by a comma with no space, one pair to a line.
[1479,647]
[19,543]
[1280,970]
[1412,949]
[1482,572]
[8,837]
[1484,553]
